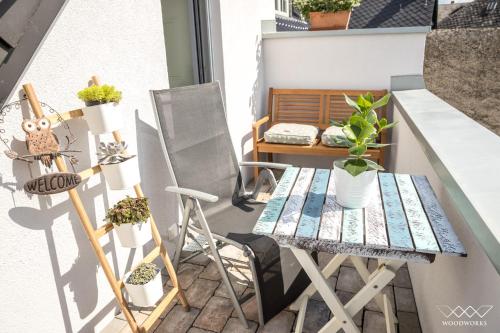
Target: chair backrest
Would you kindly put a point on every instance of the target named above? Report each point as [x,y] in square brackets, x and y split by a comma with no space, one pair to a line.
[313,106]
[196,141]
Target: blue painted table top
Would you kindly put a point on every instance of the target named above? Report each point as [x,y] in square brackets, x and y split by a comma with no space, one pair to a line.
[403,220]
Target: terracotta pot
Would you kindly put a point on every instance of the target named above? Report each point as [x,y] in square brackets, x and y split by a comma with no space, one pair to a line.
[329,21]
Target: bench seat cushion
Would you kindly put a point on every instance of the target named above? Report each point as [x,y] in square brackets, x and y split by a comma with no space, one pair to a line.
[329,135]
[293,134]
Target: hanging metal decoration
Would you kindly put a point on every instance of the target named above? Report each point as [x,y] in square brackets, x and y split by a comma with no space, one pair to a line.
[41,142]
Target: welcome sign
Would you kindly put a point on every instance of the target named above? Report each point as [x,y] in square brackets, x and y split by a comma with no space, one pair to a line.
[53,183]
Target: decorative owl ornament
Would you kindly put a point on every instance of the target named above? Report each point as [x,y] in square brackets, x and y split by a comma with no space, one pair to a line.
[41,142]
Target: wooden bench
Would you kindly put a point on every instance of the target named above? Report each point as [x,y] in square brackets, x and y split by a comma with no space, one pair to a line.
[311,107]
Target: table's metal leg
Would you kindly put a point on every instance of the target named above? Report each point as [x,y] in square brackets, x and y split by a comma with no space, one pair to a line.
[345,320]
[327,271]
[365,276]
[379,279]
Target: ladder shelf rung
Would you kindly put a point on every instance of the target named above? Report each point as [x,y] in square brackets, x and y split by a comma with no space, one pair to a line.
[103,230]
[156,313]
[87,173]
[66,115]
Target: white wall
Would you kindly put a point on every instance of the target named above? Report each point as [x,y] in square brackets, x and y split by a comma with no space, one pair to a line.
[242,66]
[342,60]
[50,278]
[448,281]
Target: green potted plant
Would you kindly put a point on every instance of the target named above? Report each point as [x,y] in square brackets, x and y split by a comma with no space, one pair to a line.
[129,217]
[326,14]
[120,169]
[355,177]
[144,285]
[101,111]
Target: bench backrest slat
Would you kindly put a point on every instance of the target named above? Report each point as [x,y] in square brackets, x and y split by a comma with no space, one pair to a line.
[313,106]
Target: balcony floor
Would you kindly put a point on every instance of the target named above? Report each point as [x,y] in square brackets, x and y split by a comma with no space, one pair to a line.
[212,311]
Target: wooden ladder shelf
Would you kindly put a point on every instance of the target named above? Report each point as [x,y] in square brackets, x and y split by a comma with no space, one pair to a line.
[94,234]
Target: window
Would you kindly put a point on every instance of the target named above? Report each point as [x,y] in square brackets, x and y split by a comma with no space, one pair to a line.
[282,7]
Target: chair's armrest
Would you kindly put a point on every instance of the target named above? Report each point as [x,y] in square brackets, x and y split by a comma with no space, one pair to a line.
[260,122]
[265,165]
[192,193]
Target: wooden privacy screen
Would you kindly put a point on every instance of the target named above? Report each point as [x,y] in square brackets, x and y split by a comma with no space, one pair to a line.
[95,234]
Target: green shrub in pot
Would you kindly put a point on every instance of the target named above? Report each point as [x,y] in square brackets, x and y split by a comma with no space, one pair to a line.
[143,274]
[95,95]
[355,176]
[144,285]
[129,217]
[129,210]
[102,112]
[326,14]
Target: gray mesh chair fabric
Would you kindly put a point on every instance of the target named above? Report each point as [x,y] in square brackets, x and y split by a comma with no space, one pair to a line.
[201,156]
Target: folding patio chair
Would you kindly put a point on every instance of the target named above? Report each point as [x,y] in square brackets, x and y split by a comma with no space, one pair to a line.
[202,162]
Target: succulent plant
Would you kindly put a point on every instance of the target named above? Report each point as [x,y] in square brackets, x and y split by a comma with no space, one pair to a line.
[129,210]
[113,152]
[143,274]
[94,95]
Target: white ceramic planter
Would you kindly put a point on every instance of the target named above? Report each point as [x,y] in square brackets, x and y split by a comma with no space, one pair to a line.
[354,192]
[133,235]
[121,176]
[103,118]
[145,294]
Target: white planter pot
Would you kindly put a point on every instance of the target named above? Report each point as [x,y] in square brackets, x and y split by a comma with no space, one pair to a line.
[354,192]
[145,295]
[103,118]
[121,176]
[133,235]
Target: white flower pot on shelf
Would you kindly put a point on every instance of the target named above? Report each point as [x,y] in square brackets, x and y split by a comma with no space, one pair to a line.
[103,118]
[354,192]
[133,235]
[123,175]
[145,295]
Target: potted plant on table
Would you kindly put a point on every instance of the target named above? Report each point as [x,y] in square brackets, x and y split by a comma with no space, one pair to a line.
[101,111]
[144,284]
[355,177]
[129,217]
[120,169]
[326,14]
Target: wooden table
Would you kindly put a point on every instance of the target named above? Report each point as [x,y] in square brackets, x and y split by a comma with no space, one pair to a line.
[404,222]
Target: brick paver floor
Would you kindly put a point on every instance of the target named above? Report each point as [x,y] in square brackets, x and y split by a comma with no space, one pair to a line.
[212,311]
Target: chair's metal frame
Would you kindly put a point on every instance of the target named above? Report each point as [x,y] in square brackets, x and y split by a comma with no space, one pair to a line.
[193,204]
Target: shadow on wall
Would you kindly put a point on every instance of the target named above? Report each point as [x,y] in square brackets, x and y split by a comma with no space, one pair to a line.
[256,104]
[155,177]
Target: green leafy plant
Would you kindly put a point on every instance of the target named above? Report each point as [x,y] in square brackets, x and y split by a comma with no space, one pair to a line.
[94,95]
[325,6]
[361,131]
[129,210]
[143,274]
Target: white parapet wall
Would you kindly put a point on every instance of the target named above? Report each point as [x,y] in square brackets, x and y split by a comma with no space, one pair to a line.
[50,278]
[459,156]
[348,59]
